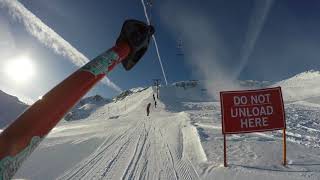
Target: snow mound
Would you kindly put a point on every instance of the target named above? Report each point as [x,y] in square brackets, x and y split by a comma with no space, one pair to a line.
[127,93]
[302,86]
[85,107]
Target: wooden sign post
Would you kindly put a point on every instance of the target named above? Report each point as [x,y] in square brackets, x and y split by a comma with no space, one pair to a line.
[284,148]
[252,111]
[224,151]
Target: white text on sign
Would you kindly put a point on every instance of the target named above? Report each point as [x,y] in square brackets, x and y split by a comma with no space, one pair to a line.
[253,111]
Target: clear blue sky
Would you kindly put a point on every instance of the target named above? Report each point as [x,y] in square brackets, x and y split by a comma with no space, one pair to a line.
[215,35]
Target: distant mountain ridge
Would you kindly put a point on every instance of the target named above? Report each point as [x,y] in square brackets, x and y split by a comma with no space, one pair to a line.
[303,86]
[10,108]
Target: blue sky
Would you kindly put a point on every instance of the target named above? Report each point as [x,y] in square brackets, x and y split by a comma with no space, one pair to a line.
[259,40]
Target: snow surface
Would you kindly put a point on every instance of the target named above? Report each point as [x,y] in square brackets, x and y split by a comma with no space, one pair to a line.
[85,107]
[303,86]
[181,139]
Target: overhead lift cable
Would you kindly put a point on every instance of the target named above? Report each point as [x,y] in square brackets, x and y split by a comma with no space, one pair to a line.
[153,37]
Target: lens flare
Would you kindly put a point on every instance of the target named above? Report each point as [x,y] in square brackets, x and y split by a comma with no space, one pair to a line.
[20,69]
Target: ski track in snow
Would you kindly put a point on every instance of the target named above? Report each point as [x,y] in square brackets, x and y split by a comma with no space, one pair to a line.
[180,140]
[146,149]
[136,143]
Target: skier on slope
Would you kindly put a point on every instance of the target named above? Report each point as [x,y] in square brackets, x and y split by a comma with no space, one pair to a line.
[155,102]
[148,109]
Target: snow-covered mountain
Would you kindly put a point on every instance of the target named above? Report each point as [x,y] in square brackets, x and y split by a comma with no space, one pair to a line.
[127,93]
[89,105]
[85,107]
[303,86]
[181,139]
[10,108]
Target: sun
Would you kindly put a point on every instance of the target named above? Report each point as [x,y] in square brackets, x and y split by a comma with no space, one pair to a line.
[20,69]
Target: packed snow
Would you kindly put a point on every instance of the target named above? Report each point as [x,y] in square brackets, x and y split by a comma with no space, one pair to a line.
[85,107]
[303,86]
[181,139]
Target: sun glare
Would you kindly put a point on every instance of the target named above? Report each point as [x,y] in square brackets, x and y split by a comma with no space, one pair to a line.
[20,69]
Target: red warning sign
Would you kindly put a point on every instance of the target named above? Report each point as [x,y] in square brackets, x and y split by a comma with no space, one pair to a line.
[252,110]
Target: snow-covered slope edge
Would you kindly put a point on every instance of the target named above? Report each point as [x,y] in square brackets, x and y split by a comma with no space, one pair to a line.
[303,86]
[89,105]
[191,140]
[85,107]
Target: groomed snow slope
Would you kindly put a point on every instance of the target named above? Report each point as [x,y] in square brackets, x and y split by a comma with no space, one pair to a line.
[180,140]
[128,145]
[303,86]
